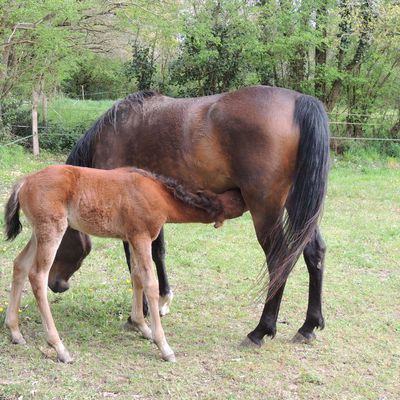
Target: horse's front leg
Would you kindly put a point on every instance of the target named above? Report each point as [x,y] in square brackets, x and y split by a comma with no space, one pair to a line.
[158,254]
[314,256]
[143,273]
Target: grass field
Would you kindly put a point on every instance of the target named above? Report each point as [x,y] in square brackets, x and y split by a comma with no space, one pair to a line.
[213,273]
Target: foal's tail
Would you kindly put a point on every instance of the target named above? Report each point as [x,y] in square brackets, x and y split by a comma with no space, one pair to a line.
[305,201]
[11,215]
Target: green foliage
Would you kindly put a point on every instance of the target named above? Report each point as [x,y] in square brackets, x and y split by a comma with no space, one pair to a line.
[12,114]
[216,49]
[344,52]
[100,78]
[141,67]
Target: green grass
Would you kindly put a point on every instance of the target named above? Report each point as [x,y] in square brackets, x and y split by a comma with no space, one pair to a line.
[213,273]
[76,112]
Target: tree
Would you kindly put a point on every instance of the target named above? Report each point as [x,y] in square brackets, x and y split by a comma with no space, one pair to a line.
[218,44]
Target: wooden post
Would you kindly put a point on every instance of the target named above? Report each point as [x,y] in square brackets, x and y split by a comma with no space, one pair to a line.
[44,103]
[83,92]
[35,136]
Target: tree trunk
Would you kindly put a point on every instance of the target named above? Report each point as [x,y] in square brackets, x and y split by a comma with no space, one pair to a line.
[35,136]
[321,54]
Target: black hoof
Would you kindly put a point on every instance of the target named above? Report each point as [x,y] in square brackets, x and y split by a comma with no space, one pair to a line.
[252,342]
[130,325]
[305,338]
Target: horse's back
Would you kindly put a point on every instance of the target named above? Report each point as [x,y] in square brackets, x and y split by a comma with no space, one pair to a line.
[212,142]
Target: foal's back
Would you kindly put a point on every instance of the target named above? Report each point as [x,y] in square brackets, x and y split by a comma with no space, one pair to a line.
[97,202]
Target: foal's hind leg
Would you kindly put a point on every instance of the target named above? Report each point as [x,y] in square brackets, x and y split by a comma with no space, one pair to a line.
[314,255]
[136,319]
[22,265]
[158,254]
[143,273]
[47,245]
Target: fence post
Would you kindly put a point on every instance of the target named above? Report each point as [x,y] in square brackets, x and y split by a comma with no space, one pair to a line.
[44,103]
[35,136]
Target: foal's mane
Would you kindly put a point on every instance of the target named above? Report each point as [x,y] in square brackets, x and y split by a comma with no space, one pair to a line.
[203,199]
[81,154]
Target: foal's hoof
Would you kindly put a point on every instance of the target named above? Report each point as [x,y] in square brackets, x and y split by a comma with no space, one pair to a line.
[169,358]
[247,342]
[18,340]
[304,339]
[65,358]
[164,303]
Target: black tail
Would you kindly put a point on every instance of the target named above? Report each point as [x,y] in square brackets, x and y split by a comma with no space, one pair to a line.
[11,215]
[306,198]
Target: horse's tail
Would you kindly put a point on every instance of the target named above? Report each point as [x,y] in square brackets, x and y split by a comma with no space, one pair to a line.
[306,197]
[11,215]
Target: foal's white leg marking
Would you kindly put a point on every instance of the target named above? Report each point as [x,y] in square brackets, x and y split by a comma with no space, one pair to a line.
[144,265]
[38,276]
[22,265]
[165,302]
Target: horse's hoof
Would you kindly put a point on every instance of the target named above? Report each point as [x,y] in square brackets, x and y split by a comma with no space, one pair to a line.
[247,342]
[65,358]
[133,326]
[130,326]
[169,358]
[164,303]
[18,340]
[304,339]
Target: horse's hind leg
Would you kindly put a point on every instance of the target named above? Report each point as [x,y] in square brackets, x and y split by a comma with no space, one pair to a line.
[47,245]
[269,316]
[314,255]
[22,265]
[142,272]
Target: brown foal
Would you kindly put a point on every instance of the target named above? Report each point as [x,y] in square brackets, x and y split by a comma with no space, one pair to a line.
[124,203]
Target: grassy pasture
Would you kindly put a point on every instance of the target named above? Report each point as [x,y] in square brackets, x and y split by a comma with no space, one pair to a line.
[213,273]
[75,112]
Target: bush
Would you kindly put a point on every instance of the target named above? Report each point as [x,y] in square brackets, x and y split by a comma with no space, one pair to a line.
[101,78]
[12,114]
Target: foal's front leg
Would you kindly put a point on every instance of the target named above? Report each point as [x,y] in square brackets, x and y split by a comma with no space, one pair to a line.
[22,265]
[143,275]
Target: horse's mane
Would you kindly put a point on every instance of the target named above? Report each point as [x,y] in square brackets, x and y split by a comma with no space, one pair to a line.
[203,199]
[82,153]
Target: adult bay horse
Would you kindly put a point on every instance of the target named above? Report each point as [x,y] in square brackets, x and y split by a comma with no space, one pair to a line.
[271,143]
